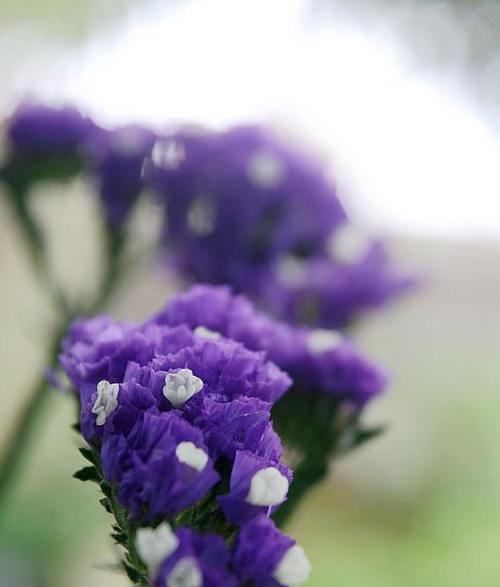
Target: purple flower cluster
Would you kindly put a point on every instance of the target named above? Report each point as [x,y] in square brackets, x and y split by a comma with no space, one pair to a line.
[43,139]
[41,130]
[242,208]
[317,360]
[248,210]
[171,411]
[261,557]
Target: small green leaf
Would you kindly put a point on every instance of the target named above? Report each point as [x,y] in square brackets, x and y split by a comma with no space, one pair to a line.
[87,474]
[119,538]
[133,574]
[106,505]
[89,455]
[106,489]
[363,435]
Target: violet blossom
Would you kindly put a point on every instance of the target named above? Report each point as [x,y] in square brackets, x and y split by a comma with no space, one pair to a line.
[318,360]
[265,557]
[247,209]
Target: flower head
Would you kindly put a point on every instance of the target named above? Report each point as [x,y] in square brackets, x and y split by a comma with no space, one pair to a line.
[106,401]
[264,557]
[155,544]
[156,475]
[197,561]
[44,143]
[249,210]
[42,130]
[116,160]
[258,486]
[318,360]
[122,371]
[180,386]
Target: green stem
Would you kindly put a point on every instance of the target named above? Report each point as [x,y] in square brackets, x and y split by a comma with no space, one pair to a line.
[18,443]
[22,433]
[132,560]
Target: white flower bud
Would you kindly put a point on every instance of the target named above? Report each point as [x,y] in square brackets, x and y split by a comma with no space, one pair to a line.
[181,386]
[267,488]
[106,401]
[294,567]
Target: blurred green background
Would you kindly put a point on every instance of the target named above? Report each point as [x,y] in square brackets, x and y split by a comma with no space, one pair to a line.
[418,507]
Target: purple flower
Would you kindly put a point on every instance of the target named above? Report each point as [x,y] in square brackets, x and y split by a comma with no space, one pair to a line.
[161,466]
[258,486]
[244,187]
[317,360]
[227,368]
[121,370]
[243,207]
[112,408]
[198,560]
[43,130]
[116,160]
[264,557]
[231,426]
[333,292]
[101,348]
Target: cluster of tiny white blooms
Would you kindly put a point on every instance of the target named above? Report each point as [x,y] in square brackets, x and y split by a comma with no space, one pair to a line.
[186,573]
[347,245]
[202,216]
[322,340]
[181,386]
[168,153]
[291,271]
[265,169]
[106,401]
[207,333]
[294,567]
[268,487]
[155,544]
[188,453]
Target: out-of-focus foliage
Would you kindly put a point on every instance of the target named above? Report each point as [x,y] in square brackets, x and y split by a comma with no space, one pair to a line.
[68,21]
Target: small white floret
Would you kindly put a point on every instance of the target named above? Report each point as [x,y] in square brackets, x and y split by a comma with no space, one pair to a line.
[347,244]
[265,169]
[294,567]
[188,453]
[207,333]
[268,487]
[186,573]
[181,386]
[322,340]
[168,153]
[154,545]
[106,401]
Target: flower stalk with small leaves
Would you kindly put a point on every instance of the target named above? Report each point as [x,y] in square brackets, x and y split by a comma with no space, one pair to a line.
[181,443]
[184,415]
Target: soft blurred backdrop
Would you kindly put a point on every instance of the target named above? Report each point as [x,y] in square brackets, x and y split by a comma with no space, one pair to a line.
[403,99]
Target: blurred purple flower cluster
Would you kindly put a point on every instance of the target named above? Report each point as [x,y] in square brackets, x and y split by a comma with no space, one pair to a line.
[181,411]
[241,207]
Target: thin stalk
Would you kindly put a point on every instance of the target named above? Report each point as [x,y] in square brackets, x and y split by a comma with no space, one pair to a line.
[21,436]
[18,443]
